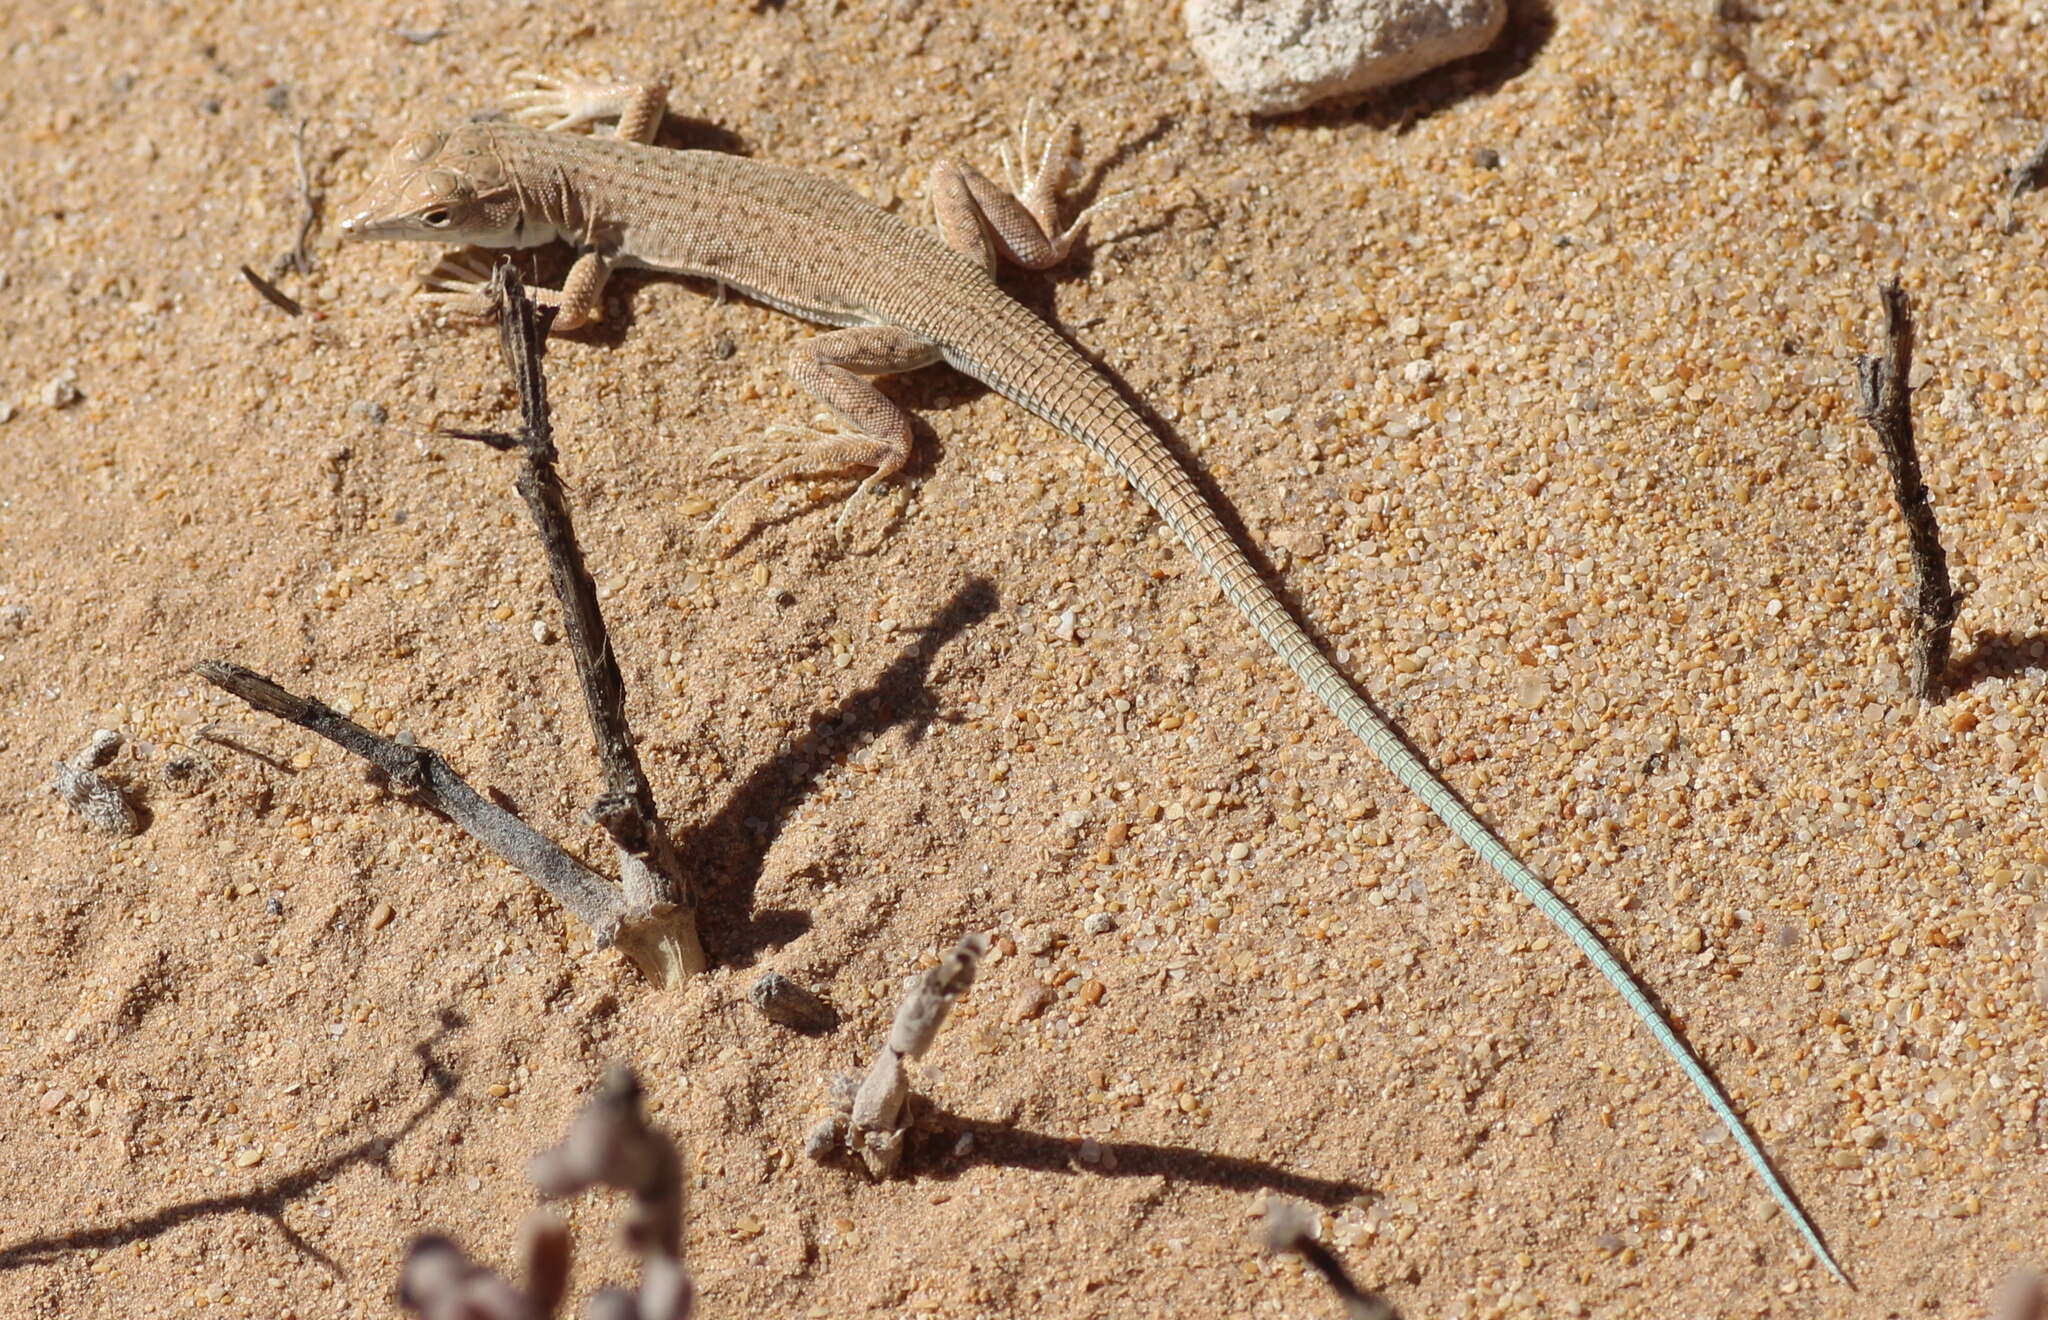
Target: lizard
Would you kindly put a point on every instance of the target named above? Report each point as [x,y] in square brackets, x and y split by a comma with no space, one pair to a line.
[896,297]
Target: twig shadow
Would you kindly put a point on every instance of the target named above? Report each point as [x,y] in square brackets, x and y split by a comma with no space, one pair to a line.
[1999,655]
[938,1134]
[267,1200]
[736,838]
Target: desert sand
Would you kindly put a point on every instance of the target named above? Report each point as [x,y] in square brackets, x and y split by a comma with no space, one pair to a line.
[1533,380]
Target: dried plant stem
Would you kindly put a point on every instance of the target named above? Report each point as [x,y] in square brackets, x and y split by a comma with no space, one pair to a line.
[1885,396]
[610,1144]
[868,1117]
[649,916]
[95,798]
[660,925]
[1290,1227]
[424,775]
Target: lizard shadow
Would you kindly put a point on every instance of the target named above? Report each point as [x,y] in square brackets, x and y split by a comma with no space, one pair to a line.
[934,1152]
[268,1199]
[728,848]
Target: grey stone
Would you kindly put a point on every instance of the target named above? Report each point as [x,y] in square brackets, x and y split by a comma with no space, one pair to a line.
[1282,55]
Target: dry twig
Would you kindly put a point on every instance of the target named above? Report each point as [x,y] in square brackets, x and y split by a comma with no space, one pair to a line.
[661,925]
[1293,1228]
[301,257]
[1289,1227]
[1885,396]
[273,295]
[649,915]
[424,775]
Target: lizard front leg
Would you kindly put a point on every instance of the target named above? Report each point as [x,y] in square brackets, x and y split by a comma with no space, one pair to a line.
[833,368]
[458,282]
[561,105]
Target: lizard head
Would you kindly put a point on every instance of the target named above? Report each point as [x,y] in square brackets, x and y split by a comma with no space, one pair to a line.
[439,187]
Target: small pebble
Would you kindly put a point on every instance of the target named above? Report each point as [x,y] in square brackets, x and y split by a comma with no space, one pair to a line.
[1032,998]
[782,1000]
[1099,923]
[381,915]
[61,391]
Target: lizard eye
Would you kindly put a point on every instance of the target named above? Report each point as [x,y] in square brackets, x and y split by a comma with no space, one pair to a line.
[437,217]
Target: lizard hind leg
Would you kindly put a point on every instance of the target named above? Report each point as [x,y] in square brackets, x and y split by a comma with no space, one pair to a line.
[1021,223]
[833,368]
[563,104]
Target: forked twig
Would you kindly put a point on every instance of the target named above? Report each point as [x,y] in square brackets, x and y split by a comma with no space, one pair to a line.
[661,924]
[649,915]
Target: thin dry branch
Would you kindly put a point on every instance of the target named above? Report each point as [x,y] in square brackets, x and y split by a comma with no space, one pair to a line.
[301,256]
[273,295]
[661,921]
[652,921]
[424,775]
[1885,395]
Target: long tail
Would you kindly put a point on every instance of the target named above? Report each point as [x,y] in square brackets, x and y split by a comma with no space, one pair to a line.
[1095,414]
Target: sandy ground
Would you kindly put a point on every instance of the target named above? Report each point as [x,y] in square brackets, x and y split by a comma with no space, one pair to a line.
[1531,377]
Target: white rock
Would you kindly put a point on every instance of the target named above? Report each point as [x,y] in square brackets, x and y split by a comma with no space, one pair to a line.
[1282,55]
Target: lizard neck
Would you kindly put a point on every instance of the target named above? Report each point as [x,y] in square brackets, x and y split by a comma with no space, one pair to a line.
[553,202]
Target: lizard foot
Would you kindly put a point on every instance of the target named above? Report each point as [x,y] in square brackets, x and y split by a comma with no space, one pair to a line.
[560,104]
[457,283]
[1058,161]
[823,453]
